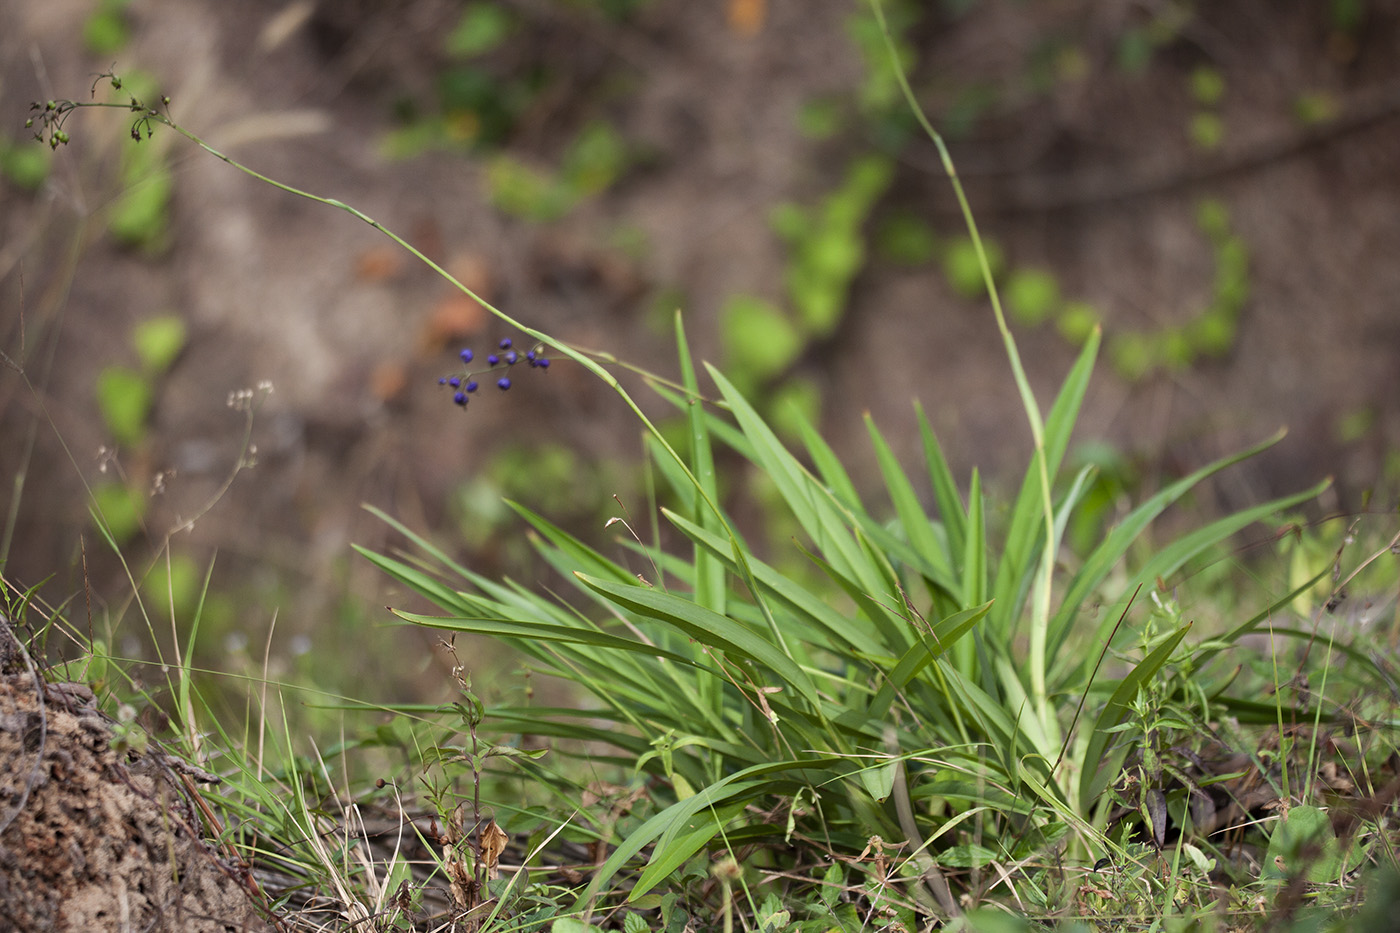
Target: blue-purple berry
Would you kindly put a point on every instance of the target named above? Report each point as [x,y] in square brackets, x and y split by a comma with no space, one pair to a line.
[493,359]
[442,381]
[511,357]
[505,343]
[468,355]
[460,398]
[471,385]
[503,383]
[455,381]
[542,362]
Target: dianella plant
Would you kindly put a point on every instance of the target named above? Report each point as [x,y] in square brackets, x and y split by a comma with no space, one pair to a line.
[918,682]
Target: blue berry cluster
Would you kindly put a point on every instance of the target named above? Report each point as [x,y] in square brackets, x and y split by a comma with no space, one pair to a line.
[463,384]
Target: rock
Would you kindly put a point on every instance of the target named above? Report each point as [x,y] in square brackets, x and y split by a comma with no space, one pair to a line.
[95,839]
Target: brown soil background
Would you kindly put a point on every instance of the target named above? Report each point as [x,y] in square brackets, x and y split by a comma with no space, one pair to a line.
[1095,180]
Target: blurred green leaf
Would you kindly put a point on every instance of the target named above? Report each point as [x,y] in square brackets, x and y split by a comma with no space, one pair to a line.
[964,269]
[594,159]
[1303,844]
[124,398]
[819,119]
[1135,48]
[1207,131]
[26,165]
[1031,295]
[1207,85]
[140,215]
[174,585]
[481,28]
[526,191]
[906,239]
[759,340]
[105,31]
[118,509]
[1077,320]
[158,341]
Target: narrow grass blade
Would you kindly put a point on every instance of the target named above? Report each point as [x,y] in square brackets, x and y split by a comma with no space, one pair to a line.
[707,627]
[709,585]
[811,504]
[946,634]
[508,629]
[1025,540]
[945,488]
[1110,551]
[829,467]
[918,529]
[840,632]
[579,556]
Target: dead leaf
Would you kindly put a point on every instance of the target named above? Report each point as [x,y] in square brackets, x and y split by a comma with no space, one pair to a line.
[453,319]
[473,271]
[388,381]
[491,842]
[379,264]
[746,16]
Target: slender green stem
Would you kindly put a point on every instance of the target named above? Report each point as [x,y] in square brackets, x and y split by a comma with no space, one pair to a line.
[1040,616]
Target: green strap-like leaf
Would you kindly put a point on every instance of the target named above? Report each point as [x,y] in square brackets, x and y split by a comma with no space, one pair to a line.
[918,528]
[1025,540]
[811,504]
[945,488]
[839,632]
[946,634]
[1110,551]
[541,631]
[1168,560]
[708,628]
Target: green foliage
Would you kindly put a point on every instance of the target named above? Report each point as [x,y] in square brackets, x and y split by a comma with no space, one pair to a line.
[1211,332]
[158,341]
[1304,844]
[1135,50]
[1077,320]
[106,30]
[1207,86]
[482,27]
[879,98]
[1346,15]
[26,166]
[526,191]
[759,340]
[906,239]
[594,160]
[828,244]
[175,585]
[964,269]
[590,165]
[1314,108]
[124,397]
[1032,295]
[819,119]
[140,214]
[1207,130]
[118,509]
